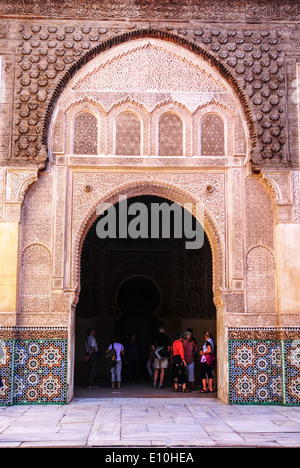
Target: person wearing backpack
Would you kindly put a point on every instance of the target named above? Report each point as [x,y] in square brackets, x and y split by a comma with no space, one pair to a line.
[114,354]
[161,348]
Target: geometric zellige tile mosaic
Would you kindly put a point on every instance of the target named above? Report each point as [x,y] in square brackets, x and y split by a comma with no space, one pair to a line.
[264,372]
[35,372]
[255,371]
[291,353]
[261,371]
[6,370]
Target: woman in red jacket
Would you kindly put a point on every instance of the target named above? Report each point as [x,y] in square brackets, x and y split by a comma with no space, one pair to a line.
[179,364]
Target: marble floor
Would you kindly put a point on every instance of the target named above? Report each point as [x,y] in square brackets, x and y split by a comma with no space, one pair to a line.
[116,420]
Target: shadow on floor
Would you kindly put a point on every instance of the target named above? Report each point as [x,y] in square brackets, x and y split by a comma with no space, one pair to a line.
[140,389]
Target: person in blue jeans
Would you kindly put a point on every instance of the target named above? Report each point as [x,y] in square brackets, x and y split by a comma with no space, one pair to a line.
[116,370]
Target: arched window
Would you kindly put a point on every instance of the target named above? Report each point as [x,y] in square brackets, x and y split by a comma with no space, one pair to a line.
[212,141]
[170,135]
[128,134]
[85,134]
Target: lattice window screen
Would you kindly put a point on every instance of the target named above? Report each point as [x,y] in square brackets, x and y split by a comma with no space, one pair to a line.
[212,142]
[85,134]
[128,134]
[170,135]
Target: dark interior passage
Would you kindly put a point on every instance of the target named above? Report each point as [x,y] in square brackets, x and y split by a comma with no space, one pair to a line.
[138,295]
[138,300]
[135,284]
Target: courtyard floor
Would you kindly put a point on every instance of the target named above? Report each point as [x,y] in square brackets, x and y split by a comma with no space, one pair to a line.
[115,418]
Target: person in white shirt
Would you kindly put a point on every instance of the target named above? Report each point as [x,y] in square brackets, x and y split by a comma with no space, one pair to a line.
[116,369]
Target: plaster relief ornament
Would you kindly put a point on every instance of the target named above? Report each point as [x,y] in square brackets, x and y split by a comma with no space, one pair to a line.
[133,85]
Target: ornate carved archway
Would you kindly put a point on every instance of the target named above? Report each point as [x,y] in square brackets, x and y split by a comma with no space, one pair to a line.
[152,75]
[165,190]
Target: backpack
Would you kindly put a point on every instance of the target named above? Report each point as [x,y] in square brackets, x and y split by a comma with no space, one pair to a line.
[161,352]
[112,357]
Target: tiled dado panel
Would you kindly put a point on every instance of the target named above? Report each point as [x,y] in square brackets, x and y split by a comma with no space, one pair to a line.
[33,366]
[264,366]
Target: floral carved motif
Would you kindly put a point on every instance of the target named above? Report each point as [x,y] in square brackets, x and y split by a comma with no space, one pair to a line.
[35,279]
[261,281]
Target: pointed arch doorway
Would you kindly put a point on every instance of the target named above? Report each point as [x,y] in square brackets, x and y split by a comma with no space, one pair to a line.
[136,284]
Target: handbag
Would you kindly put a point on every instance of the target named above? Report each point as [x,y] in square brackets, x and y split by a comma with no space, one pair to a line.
[211,360]
[177,360]
[112,356]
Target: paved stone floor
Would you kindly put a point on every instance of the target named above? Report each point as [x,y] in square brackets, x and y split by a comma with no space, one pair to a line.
[117,419]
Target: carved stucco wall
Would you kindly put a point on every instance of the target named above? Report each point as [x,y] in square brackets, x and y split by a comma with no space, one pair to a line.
[238,60]
[61,206]
[257,60]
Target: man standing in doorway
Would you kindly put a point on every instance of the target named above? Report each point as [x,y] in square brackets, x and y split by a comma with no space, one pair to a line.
[91,349]
[190,350]
[161,347]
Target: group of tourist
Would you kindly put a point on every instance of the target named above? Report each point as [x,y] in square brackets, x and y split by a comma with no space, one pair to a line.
[182,353]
